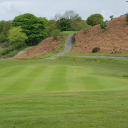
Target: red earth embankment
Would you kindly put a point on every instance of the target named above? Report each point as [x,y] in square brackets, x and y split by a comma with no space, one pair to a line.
[46,46]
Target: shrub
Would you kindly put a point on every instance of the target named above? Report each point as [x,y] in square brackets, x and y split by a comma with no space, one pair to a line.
[103,25]
[111,17]
[73,39]
[96,49]
[2,38]
[94,19]
[55,33]
[126,17]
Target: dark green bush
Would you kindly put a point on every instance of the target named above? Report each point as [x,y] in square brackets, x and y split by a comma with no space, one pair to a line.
[55,33]
[73,39]
[94,19]
[96,49]
[126,17]
[103,25]
[2,38]
[11,48]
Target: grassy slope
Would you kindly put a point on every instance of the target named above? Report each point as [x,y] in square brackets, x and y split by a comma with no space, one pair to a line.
[45,94]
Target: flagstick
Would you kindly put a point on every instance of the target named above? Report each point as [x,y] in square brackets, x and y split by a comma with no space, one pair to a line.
[72,65]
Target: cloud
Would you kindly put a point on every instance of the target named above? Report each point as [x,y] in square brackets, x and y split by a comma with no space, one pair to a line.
[9,9]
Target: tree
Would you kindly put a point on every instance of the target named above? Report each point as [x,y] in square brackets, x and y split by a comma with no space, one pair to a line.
[78,25]
[64,25]
[45,20]
[94,19]
[103,25]
[6,27]
[126,17]
[1,25]
[15,35]
[57,17]
[51,25]
[2,38]
[111,17]
[33,26]
[55,33]
[71,15]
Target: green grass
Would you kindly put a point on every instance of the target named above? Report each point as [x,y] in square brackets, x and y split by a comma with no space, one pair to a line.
[67,33]
[75,53]
[53,94]
[13,53]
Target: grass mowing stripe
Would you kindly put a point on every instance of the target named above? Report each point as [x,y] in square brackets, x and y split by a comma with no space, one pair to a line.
[10,75]
[39,84]
[57,81]
[73,79]
[91,83]
[113,83]
[22,84]
[10,72]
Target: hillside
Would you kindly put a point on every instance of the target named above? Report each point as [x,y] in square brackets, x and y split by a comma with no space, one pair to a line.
[114,39]
[46,46]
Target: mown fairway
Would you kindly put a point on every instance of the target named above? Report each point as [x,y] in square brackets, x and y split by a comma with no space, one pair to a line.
[53,94]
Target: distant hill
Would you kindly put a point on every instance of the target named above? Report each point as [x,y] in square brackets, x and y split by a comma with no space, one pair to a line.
[114,39]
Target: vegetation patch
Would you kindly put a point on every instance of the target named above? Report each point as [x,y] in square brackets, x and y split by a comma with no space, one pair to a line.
[96,49]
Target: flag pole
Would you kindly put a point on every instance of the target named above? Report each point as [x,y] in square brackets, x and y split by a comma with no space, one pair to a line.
[73,63]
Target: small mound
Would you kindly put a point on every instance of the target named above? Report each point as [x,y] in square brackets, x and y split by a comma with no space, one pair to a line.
[113,39]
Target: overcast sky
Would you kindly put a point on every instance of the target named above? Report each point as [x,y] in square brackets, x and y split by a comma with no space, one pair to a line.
[9,9]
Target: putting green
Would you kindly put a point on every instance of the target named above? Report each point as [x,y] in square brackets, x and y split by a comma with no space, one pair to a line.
[56,78]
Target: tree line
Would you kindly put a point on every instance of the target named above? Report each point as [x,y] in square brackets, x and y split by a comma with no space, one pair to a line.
[27,29]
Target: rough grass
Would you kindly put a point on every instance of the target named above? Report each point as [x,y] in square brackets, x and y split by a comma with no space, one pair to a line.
[67,33]
[53,94]
[76,53]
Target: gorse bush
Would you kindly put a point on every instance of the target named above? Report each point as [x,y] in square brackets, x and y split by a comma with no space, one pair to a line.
[96,49]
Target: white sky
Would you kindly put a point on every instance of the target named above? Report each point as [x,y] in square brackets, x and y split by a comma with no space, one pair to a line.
[9,9]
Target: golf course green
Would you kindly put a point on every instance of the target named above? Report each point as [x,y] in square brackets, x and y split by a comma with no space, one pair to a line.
[57,94]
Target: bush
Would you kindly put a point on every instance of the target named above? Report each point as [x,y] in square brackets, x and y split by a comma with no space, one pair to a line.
[2,38]
[94,19]
[103,25]
[11,48]
[73,39]
[55,33]
[126,17]
[96,49]
[64,25]
[111,17]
